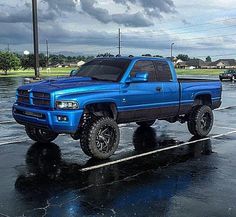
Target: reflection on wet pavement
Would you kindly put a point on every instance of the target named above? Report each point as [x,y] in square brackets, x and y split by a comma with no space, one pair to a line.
[102,191]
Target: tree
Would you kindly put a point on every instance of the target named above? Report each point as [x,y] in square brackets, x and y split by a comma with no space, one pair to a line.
[56,59]
[183,57]
[208,59]
[8,61]
[42,60]
[146,55]
[27,61]
[158,56]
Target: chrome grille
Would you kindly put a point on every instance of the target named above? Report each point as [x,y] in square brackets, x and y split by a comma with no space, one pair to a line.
[33,98]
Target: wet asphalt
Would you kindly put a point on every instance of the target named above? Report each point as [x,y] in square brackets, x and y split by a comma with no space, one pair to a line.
[196,179]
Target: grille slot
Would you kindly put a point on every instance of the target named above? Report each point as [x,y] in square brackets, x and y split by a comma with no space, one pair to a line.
[41,102]
[41,99]
[23,99]
[41,95]
[23,96]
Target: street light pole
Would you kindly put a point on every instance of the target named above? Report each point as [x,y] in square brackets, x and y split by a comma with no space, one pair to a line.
[47,52]
[171,51]
[36,42]
[119,42]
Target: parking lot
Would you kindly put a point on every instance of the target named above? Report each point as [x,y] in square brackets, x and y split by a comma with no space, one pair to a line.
[158,171]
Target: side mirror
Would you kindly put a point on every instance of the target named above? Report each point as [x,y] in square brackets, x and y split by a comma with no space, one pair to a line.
[139,77]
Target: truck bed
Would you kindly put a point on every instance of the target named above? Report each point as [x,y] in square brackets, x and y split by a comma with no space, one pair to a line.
[188,80]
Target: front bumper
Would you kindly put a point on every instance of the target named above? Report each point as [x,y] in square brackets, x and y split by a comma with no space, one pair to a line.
[48,118]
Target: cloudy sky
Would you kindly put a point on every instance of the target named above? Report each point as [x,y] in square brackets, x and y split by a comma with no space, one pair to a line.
[198,28]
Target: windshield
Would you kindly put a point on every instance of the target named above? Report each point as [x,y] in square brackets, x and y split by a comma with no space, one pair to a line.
[104,69]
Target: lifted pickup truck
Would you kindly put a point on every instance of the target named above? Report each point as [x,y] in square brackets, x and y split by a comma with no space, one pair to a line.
[108,91]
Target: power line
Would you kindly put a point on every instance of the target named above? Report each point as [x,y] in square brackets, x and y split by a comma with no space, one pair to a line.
[184,39]
[197,31]
[203,24]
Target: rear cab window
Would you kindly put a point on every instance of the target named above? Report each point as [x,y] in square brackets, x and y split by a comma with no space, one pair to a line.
[163,71]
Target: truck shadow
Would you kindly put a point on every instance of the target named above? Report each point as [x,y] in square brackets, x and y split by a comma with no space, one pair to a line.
[45,165]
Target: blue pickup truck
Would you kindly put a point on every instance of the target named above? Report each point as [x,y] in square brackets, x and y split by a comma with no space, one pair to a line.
[106,92]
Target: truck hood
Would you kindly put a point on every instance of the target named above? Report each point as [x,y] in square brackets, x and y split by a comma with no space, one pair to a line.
[71,85]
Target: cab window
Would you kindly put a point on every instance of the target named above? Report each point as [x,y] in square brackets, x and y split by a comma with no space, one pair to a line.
[163,71]
[144,66]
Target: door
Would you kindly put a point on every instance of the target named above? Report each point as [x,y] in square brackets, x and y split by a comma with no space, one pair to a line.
[140,101]
[170,89]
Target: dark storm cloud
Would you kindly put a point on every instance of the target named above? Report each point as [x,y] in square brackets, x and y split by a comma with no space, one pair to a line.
[61,5]
[58,35]
[23,13]
[25,16]
[17,33]
[21,34]
[100,14]
[152,8]
[133,20]
[103,15]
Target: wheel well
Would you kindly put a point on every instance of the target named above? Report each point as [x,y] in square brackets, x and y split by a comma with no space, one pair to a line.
[102,109]
[203,100]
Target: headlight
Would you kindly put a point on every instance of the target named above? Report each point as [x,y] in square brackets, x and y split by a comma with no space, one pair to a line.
[67,105]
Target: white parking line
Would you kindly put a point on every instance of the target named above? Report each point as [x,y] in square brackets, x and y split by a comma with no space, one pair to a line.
[3,110]
[7,122]
[227,128]
[224,108]
[153,152]
[14,141]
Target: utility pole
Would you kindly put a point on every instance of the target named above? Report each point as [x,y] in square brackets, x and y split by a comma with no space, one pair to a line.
[36,42]
[119,43]
[8,47]
[47,53]
[171,51]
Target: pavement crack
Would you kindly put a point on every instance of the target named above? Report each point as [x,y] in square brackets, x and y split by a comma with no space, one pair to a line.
[3,215]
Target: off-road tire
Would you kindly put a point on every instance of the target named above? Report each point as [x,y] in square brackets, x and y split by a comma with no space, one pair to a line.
[200,121]
[40,135]
[84,135]
[31,133]
[146,123]
[92,140]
